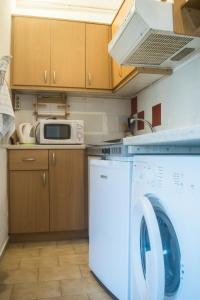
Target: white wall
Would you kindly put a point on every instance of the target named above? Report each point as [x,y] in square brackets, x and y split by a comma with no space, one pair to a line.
[179,95]
[5,25]
[104,118]
[85,10]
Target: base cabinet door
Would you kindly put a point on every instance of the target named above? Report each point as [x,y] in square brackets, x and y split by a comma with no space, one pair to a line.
[67,194]
[29,201]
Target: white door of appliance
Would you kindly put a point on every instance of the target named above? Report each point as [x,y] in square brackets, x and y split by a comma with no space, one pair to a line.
[110,185]
[156,257]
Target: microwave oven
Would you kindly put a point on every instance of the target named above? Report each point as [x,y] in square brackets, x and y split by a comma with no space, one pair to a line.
[60,132]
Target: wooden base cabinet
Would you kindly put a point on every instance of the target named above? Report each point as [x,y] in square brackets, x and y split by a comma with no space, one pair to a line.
[47,191]
[67,189]
[29,201]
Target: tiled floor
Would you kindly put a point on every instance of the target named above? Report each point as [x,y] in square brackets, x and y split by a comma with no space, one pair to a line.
[50,271]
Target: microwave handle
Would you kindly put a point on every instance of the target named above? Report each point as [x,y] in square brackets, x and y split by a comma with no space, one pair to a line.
[54,158]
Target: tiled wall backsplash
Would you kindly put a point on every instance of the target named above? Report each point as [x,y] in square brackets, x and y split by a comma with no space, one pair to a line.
[104,118]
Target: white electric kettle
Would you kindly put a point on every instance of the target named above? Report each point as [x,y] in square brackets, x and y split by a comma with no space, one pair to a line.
[26,133]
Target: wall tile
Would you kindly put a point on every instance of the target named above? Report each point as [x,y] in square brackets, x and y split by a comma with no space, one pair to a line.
[156,115]
[140,125]
[134,106]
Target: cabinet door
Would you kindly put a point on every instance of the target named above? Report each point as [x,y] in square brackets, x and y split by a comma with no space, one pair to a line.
[120,72]
[68,54]
[29,201]
[67,195]
[31,51]
[98,62]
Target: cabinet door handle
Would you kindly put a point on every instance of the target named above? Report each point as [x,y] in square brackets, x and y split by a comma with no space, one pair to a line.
[54,158]
[44,178]
[104,177]
[28,159]
[45,76]
[89,78]
[54,77]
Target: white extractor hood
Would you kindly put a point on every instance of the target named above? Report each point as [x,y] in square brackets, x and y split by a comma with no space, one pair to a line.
[147,38]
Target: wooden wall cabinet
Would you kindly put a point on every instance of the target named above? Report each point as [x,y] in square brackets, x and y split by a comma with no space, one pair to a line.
[67,54]
[187,17]
[98,61]
[31,51]
[120,72]
[56,53]
[47,191]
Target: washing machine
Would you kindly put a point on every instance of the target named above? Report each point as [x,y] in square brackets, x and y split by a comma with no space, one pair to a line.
[165,228]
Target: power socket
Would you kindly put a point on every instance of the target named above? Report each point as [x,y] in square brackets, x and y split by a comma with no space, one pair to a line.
[17,103]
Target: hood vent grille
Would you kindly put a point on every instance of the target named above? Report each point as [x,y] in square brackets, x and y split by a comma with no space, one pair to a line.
[157,48]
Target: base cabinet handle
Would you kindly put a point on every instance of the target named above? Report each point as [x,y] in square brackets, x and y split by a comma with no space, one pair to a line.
[44,178]
[28,159]
[53,158]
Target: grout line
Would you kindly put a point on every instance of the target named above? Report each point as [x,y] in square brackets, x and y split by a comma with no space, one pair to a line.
[80,271]
[38,274]
[60,288]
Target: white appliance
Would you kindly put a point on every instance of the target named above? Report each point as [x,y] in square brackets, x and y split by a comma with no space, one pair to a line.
[110,183]
[147,37]
[165,228]
[60,132]
[26,133]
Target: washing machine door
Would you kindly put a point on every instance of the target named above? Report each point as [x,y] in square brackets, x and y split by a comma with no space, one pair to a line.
[156,256]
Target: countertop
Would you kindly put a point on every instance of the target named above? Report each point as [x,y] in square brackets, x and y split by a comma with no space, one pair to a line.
[38,147]
[188,136]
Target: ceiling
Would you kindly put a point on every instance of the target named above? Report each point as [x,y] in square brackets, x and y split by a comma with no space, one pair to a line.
[102,10]
[96,4]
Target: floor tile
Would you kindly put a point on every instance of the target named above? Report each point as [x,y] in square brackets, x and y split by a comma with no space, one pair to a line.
[85,271]
[40,245]
[15,246]
[18,276]
[34,262]
[21,253]
[99,296]
[59,273]
[8,264]
[85,285]
[80,248]
[80,242]
[5,292]
[70,297]
[64,242]
[76,259]
[57,251]
[38,290]
[24,291]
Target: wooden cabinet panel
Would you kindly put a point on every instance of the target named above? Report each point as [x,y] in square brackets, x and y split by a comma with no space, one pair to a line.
[28,159]
[29,201]
[31,51]
[68,54]
[120,72]
[98,62]
[67,199]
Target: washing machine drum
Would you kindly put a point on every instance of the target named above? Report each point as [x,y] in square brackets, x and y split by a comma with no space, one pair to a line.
[157,257]
[171,251]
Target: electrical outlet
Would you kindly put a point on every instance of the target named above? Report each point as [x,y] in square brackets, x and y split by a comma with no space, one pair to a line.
[17,103]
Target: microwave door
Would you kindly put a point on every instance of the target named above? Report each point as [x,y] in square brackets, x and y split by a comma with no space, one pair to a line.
[57,132]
